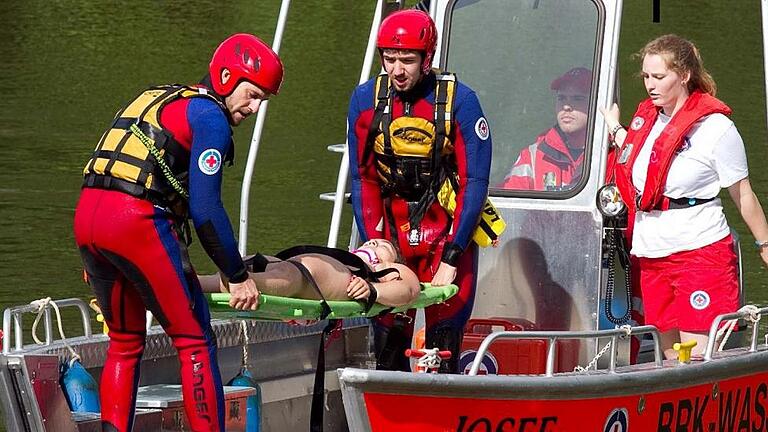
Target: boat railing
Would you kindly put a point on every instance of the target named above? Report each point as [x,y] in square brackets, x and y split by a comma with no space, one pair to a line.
[14,315]
[749,313]
[552,336]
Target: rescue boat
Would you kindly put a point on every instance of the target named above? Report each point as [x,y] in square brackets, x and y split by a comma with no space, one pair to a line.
[548,346]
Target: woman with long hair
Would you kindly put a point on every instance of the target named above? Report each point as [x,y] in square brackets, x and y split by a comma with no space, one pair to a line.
[678,152]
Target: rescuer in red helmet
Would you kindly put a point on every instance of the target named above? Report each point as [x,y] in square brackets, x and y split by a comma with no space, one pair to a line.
[412,133]
[157,165]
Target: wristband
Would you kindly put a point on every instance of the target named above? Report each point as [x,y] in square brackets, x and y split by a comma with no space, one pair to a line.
[616,129]
[451,253]
[240,276]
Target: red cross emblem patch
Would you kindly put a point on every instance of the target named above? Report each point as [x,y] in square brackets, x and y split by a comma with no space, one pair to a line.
[209,161]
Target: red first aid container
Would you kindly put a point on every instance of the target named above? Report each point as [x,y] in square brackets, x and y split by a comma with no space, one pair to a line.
[513,356]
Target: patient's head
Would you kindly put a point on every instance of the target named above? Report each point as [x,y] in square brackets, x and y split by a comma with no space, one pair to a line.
[377,251]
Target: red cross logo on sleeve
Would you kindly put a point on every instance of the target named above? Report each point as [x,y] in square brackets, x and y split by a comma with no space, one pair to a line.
[209,161]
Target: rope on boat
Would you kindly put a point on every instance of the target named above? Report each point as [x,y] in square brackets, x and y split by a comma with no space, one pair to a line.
[244,325]
[41,305]
[430,360]
[726,330]
[593,363]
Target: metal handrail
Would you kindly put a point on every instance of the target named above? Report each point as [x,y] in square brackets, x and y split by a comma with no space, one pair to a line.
[14,314]
[245,191]
[710,349]
[553,336]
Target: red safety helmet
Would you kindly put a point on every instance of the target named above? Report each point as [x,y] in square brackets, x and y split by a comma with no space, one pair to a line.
[247,58]
[409,30]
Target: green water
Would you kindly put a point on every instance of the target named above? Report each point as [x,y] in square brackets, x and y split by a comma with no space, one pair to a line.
[68,66]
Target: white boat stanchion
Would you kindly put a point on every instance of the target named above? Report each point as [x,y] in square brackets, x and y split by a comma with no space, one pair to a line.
[245,191]
[341,183]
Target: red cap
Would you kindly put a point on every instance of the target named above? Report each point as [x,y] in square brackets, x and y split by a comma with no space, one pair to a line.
[411,30]
[578,77]
[247,58]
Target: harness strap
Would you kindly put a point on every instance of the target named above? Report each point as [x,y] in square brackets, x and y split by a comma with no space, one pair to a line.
[377,275]
[308,277]
[679,203]
[149,143]
[382,105]
[318,392]
[443,119]
[256,264]
[443,116]
[384,100]
[162,140]
[356,265]
[372,296]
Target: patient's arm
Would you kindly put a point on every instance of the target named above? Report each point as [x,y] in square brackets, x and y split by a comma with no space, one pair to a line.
[398,290]
[212,283]
[393,290]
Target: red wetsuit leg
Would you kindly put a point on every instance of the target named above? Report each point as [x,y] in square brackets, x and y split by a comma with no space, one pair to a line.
[444,322]
[135,260]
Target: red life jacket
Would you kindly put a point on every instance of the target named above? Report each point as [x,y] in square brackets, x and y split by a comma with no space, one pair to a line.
[548,156]
[697,105]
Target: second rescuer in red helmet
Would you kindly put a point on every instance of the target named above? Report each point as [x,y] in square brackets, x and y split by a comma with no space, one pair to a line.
[400,157]
[158,165]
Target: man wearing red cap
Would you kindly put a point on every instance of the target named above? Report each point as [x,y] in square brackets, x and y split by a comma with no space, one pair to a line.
[158,165]
[554,161]
[412,133]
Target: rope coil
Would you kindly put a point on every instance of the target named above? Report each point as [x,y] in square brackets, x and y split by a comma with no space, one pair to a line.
[41,305]
[430,360]
[726,330]
[244,326]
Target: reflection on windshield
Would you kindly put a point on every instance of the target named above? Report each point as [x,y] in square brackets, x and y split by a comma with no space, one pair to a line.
[533,76]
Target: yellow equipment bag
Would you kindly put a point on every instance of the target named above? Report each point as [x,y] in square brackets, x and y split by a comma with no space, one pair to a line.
[491,224]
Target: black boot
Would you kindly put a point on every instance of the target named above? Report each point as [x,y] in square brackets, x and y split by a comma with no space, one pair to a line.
[446,338]
[390,344]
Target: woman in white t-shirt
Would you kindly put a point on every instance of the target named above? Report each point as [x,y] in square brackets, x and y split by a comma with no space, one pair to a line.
[680,150]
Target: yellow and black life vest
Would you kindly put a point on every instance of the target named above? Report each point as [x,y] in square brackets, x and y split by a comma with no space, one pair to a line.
[413,156]
[136,155]
[410,150]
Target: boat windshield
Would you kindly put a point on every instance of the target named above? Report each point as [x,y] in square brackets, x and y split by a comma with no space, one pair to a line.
[531,63]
